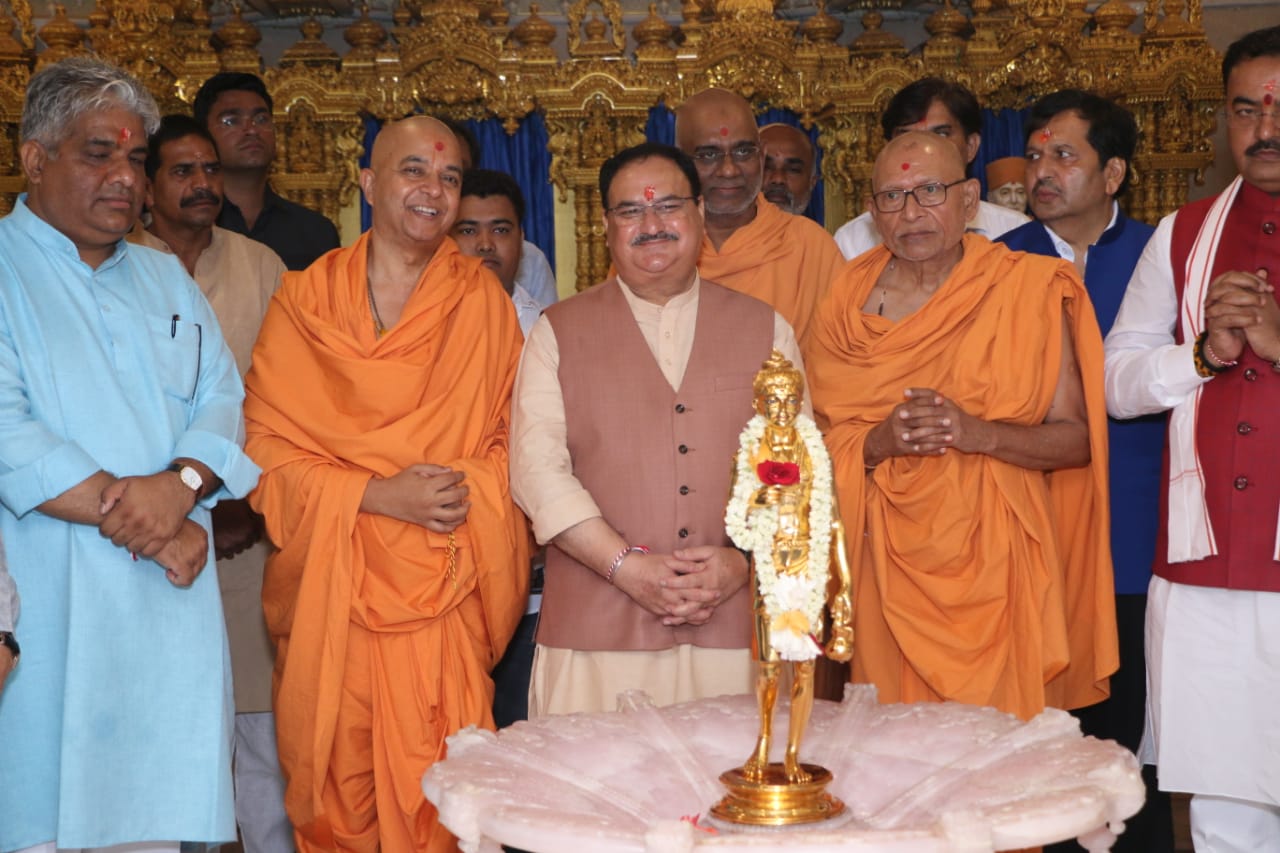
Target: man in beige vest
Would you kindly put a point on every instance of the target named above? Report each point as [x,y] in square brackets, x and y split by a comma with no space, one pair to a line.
[238,276]
[627,409]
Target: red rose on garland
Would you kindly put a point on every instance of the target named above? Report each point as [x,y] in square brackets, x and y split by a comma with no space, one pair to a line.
[778,473]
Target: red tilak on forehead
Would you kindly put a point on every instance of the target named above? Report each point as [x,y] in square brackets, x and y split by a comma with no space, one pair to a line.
[439,146]
[125,135]
[648,193]
[906,166]
[1045,135]
[724,131]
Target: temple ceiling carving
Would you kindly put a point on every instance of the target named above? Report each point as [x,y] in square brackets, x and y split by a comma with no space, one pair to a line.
[594,68]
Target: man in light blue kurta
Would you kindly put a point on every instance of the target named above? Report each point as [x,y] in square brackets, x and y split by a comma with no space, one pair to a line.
[120,422]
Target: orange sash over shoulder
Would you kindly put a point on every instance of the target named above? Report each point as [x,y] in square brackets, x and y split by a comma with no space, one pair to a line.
[785,261]
[327,407]
[978,580]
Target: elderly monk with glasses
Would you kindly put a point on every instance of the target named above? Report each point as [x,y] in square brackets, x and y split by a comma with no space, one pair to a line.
[960,389]
[750,245]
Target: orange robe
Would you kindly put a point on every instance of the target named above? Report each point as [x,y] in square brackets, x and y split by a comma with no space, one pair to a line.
[380,652]
[785,261]
[979,581]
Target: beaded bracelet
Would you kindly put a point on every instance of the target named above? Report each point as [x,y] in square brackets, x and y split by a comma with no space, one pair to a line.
[1202,353]
[622,555]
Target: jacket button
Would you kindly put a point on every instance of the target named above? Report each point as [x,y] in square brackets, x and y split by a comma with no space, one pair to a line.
[684,490]
[1250,375]
[1268,228]
[684,448]
[1241,483]
[684,533]
[679,408]
[1244,428]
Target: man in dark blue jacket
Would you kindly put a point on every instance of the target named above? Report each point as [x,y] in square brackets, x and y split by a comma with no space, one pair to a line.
[1078,149]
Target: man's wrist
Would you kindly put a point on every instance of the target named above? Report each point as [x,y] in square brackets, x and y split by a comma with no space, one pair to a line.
[9,645]
[1209,363]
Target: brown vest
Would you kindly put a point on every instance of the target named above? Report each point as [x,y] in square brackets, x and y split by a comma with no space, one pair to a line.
[656,461]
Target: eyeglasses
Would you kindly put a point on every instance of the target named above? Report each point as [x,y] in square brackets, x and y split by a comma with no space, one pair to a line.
[666,208]
[744,153]
[1245,117]
[240,120]
[926,195]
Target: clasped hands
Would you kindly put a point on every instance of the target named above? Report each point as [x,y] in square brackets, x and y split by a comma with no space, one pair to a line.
[1240,310]
[685,586]
[926,424]
[148,517]
[431,496]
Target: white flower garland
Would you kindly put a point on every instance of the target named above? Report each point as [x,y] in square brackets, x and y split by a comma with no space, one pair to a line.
[793,602]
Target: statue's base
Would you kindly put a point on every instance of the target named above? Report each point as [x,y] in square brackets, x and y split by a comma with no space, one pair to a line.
[774,801]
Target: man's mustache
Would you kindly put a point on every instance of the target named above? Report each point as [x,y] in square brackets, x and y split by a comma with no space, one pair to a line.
[199,197]
[1263,145]
[1047,184]
[642,239]
[778,193]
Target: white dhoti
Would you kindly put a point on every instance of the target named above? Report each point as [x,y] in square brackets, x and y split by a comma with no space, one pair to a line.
[1213,672]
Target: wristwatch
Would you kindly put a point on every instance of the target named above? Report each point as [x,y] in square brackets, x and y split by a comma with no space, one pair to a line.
[190,478]
[10,642]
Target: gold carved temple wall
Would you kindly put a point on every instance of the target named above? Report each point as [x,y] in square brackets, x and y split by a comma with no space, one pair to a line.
[467,59]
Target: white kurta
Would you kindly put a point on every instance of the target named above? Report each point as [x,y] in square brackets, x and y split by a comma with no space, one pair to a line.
[1213,655]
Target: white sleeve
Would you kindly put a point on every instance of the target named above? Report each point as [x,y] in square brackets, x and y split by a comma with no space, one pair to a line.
[1146,371]
[857,236]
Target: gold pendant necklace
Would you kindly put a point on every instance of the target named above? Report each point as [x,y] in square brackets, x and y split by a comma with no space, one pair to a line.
[884,288]
[378,328]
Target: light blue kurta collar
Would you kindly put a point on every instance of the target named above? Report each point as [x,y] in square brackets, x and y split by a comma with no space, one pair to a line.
[51,238]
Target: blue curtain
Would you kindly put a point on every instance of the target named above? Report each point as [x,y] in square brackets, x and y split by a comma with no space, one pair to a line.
[1001,137]
[524,156]
[661,127]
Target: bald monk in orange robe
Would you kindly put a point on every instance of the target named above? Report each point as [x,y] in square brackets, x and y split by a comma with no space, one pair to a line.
[750,245]
[377,407]
[959,386]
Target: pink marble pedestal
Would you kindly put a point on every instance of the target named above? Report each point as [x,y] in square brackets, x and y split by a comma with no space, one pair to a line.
[923,778]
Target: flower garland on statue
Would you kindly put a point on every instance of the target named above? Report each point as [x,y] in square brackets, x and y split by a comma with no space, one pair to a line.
[794,602]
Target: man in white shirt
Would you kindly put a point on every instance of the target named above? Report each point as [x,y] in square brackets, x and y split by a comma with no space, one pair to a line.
[948,110]
[488,227]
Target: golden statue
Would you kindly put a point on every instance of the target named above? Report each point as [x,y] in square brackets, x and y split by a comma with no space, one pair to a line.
[782,511]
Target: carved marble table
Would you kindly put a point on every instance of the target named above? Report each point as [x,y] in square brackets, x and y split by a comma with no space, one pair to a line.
[924,778]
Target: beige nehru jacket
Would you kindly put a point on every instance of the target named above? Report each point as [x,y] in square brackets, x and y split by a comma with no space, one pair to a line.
[542,479]
[238,276]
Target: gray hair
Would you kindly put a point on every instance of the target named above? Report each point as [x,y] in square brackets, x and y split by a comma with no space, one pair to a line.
[61,93]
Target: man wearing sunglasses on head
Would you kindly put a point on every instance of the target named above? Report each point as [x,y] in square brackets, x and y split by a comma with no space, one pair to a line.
[959,386]
[751,246]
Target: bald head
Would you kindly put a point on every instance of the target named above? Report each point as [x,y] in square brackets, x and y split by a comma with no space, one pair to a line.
[920,198]
[413,183]
[718,130]
[395,135]
[917,148]
[790,167]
